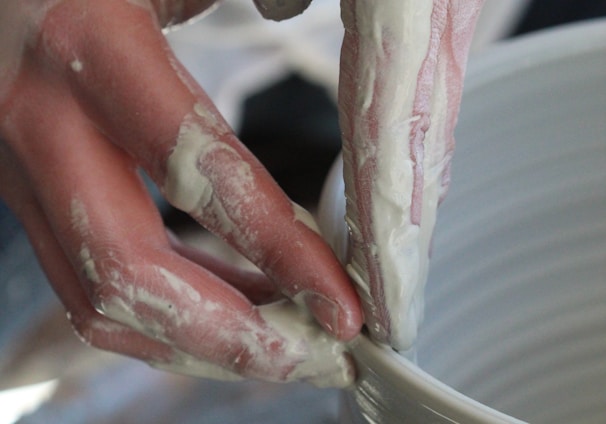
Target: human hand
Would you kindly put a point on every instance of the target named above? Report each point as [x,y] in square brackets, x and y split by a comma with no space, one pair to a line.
[90,92]
[402,69]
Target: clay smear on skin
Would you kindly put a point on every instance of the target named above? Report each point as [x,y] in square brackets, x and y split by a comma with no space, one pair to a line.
[76,65]
[167,303]
[377,160]
[398,119]
[191,187]
[178,306]
[317,358]
[132,287]
[208,179]
[80,223]
[311,353]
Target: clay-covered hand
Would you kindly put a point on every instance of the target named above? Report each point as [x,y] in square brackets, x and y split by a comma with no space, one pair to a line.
[402,69]
[89,93]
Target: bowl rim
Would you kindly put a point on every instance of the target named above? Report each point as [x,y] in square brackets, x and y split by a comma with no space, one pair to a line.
[431,394]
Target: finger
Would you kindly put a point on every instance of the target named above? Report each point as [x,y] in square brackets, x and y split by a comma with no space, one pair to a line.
[254,285]
[93,328]
[399,95]
[279,10]
[137,92]
[111,233]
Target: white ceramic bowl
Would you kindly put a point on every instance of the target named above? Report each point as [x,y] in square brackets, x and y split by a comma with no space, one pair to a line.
[516,299]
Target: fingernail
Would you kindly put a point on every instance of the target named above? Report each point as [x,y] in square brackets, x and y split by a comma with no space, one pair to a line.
[326,312]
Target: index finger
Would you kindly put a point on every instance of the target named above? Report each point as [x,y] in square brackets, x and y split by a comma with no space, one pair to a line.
[129,82]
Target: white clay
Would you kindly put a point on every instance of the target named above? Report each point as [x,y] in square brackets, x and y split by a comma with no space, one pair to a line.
[321,359]
[186,364]
[80,223]
[76,65]
[320,351]
[189,186]
[180,286]
[88,263]
[314,355]
[397,119]
[79,217]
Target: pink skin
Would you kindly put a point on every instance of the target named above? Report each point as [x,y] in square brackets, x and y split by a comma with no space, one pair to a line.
[80,134]
[452,23]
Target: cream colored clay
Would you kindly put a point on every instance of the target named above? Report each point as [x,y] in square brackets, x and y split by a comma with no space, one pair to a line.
[189,187]
[79,217]
[186,364]
[397,243]
[80,223]
[179,286]
[185,187]
[76,65]
[90,269]
[319,359]
[324,363]
[400,120]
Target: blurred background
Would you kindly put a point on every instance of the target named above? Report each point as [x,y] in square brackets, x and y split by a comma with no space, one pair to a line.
[276,85]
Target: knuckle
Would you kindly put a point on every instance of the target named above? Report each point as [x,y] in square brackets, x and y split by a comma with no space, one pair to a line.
[185,187]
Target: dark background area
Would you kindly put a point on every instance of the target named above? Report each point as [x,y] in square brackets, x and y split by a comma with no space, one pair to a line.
[547,13]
